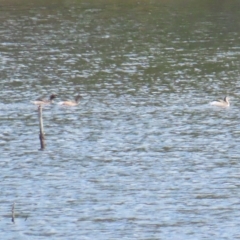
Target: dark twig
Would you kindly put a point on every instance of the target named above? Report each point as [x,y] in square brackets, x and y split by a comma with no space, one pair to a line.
[41,135]
[13,213]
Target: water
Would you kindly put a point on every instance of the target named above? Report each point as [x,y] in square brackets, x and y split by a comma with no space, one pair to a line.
[144,155]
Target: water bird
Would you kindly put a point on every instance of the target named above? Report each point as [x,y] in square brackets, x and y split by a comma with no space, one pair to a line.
[73,102]
[221,103]
[43,101]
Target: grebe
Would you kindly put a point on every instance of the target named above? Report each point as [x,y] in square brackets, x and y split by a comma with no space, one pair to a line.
[42,101]
[72,103]
[221,103]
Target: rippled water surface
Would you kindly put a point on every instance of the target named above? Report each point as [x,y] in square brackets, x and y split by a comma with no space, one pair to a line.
[144,155]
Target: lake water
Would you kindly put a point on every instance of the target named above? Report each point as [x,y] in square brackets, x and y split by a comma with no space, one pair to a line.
[144,155]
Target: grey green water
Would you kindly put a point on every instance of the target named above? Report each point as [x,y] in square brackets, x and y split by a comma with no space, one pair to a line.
[144,155]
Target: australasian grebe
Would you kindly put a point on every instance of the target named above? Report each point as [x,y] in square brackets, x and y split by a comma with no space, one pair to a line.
[72,103]
[221,103]
[42,101]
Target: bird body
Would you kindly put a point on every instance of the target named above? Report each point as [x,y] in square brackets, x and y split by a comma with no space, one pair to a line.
[71,103]
[221,103]
[43,101]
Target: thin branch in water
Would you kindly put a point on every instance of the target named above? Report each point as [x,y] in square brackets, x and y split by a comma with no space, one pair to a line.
[13,213]
[41,134]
